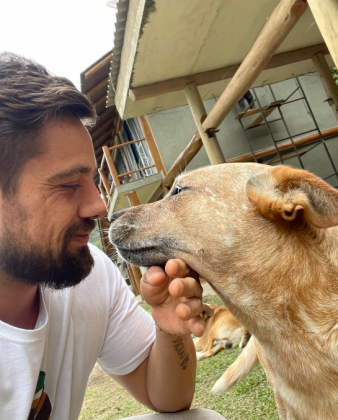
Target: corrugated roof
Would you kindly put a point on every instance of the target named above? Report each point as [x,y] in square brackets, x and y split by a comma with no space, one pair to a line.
[169,40]
[121,18]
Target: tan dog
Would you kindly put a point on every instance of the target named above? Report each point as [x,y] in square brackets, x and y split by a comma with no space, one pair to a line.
[266,239]
[223,329]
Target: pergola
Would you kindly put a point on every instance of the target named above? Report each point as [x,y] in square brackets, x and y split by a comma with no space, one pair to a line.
[177,52]
[169,53]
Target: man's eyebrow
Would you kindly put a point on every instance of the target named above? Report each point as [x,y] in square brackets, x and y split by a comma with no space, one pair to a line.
[71,172]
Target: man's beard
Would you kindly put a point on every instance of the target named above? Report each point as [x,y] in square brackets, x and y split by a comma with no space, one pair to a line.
[28,263]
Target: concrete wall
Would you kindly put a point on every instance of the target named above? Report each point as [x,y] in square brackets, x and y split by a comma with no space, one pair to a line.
[174,128]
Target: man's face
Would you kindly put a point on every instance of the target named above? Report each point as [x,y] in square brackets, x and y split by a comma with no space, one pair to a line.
[45,225]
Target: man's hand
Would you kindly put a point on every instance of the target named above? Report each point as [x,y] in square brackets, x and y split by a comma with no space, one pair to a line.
[175,295]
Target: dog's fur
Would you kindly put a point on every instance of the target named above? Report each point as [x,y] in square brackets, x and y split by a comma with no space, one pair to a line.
[222,329]
[265,238]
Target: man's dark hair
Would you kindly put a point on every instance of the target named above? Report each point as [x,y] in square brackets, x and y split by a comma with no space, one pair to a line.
[30,98]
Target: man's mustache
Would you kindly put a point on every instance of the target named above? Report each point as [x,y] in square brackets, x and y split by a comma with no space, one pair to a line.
[84,225]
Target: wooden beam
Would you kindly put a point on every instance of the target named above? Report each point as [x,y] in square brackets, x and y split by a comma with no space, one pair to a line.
[105,182]
[104,140]
[104,129]
[326,16]
[133,199]
[260,118]
[191,150]
[107,115]
[258,110]
[100,105]
[148,134]
[134,277]
[285,146]
[136,170]
[327,80]
[136,272]
[280,23]
[97,73]
[224,73]
[198,111]
[104,197]
[98,90]
[196,144]
[111,165]
[118,146]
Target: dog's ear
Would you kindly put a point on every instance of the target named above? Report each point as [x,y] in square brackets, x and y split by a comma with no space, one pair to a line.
[288,193]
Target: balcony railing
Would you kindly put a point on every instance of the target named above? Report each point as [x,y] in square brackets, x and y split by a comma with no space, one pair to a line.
[109,175]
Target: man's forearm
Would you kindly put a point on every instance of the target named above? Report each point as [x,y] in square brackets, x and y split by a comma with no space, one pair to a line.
[171,372]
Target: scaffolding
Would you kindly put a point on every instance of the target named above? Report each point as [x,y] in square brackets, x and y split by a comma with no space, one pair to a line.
[279,155]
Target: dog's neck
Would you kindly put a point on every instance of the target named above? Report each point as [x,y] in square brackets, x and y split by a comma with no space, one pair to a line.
[296,291]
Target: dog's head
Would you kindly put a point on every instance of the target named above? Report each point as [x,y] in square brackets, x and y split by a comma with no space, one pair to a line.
[229,220]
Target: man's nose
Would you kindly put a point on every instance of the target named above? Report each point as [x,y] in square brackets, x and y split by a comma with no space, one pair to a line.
[93,206]
[100,209]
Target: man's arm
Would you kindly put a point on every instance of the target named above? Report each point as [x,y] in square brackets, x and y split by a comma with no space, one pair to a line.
[165,381]
[161,382]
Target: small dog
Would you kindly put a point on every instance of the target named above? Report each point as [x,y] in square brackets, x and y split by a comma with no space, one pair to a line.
[223,329]
[266,239]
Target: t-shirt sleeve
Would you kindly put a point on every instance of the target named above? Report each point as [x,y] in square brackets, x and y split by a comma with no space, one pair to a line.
[130,331]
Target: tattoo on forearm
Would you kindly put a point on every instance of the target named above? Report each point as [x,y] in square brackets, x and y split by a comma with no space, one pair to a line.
[180,350]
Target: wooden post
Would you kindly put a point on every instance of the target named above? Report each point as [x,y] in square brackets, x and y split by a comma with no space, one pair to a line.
[328,82]
[124,155]
[280,23]
[133,199]
[325,13]
[111,166]
[103,196]
[135,277]
[105,182]
[148,134]
[135,271]
[211,144]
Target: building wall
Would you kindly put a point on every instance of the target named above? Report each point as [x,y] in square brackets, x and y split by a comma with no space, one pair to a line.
[174,128]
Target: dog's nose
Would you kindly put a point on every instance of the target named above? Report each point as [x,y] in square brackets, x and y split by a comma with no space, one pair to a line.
[116,215]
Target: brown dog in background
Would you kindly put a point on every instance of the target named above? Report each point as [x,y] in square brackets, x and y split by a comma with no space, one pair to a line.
[222,329]
[266,239]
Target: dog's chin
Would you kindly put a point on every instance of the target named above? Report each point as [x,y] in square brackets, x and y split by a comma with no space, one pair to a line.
[144,257]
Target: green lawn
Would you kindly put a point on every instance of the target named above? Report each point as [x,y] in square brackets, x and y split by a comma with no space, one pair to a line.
[252,399]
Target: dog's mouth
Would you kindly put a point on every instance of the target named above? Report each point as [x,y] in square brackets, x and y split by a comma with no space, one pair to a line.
[156,252]
[145,257]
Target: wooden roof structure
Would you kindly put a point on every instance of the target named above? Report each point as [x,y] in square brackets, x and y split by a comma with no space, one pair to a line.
[94,82]
[182,52]
[169,44]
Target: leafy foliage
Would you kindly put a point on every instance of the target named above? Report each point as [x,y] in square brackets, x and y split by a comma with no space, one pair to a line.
[95,238]
[334,72]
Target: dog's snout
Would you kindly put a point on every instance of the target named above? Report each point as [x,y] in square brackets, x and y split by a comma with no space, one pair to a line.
[116,215]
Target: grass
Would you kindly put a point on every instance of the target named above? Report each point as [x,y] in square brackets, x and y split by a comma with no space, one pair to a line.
[251,399]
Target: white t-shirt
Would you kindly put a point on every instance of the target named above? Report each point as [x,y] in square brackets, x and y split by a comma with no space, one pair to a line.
[48,368]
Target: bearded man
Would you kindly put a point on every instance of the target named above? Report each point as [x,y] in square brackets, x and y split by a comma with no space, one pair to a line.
[63,304]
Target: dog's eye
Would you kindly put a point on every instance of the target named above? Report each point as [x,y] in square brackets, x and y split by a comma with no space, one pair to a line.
[177,190]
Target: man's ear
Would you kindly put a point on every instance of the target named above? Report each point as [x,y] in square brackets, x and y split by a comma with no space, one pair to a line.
[287,193]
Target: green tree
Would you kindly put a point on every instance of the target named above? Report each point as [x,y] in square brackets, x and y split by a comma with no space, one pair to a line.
[334,72]
[95,238]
